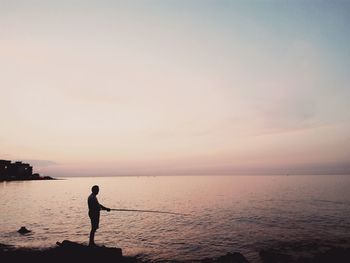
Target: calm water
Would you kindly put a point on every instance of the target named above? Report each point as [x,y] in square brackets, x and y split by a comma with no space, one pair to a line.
[227,213]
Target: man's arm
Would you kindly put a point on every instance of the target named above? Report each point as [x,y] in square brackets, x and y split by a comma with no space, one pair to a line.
[105,208]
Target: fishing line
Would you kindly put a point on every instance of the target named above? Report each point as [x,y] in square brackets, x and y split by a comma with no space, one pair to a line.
[147,211]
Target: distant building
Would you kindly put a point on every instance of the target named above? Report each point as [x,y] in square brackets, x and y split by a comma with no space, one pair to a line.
[15,171]
[4,166]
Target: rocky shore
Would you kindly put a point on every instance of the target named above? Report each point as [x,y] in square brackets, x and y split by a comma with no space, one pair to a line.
[34,177]
[68,251]
[307,251]
[63,252]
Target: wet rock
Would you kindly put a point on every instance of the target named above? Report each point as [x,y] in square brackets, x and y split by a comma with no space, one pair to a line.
[235,257]
[271,256]
[308,251]
[96,251]
[4,247]
[71,245]
[65,252]
[23,230]
[339,255]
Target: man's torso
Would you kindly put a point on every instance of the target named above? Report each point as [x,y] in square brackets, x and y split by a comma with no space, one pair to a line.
[94,206]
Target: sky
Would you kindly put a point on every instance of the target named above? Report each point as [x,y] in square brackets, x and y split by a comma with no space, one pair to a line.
[175,86]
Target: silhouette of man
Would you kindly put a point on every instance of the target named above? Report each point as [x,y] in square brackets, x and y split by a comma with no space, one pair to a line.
[94,213]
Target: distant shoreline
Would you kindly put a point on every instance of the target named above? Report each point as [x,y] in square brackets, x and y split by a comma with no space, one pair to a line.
[44,178]
[19,171]
[193,175]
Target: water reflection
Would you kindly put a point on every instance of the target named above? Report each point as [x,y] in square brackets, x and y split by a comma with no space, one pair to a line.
[228,213]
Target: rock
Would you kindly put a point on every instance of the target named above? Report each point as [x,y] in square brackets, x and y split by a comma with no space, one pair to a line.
[235,257]
[4,247]
[271,256]
[339,255]
[23,230]
[65,252]
[70,247]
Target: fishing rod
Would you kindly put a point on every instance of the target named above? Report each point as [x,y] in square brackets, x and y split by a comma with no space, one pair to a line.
[147,211]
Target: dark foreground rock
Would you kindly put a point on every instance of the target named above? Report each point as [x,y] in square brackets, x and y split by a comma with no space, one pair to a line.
[307,252]
[67,251]
[336,255]
[273,256]
[64,252]
[235,257]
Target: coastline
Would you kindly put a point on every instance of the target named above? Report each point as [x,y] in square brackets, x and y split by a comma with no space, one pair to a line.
[44,178]
[284,252]
[19,171]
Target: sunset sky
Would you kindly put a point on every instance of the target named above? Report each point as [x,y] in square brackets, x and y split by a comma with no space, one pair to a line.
[175,86]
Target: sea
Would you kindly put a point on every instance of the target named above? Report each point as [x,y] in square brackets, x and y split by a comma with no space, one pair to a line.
[218,214]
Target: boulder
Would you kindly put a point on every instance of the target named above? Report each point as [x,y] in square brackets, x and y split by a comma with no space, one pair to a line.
[272,256]
[23,230]
[235,257]
[65,252]
[337,254]
[77,249]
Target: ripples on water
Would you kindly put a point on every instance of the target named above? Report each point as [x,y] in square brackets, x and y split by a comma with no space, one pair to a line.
[227,213]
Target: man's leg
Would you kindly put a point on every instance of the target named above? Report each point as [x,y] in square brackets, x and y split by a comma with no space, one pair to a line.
[95,220]
[92,236]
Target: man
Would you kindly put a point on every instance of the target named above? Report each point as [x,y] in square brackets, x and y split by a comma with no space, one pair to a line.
[94,213]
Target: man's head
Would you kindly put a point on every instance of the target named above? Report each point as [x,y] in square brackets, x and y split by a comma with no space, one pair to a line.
[95,189]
